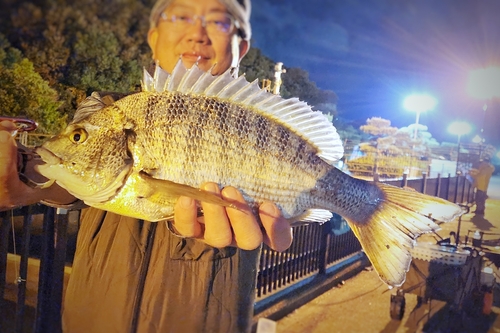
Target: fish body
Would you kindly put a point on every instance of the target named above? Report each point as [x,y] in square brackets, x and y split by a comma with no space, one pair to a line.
[136,156]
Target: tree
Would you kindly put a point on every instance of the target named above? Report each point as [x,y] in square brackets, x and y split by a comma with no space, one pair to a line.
[390,151]
[297,84]
[23,92]
[256,66]
[78,47]
[378,127]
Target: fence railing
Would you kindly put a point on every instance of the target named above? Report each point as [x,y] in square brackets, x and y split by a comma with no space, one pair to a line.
[314,250]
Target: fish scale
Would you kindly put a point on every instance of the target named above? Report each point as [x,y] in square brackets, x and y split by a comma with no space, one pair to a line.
[136,156]
[215,127]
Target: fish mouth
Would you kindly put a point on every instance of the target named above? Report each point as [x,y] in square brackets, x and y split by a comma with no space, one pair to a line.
[47,156]
[54,170]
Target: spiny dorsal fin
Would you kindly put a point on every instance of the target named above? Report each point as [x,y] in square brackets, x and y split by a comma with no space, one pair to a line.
[89,105]
[292,113]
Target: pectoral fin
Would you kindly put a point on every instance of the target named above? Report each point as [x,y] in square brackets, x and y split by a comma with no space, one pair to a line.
[162,187]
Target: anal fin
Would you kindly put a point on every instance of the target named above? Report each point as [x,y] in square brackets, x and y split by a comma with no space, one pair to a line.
[311,216]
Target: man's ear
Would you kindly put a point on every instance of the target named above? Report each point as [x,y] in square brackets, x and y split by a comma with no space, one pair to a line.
[152,39]
[244,47]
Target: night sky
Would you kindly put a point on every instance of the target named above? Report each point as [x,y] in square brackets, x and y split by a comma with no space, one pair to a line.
[373,53]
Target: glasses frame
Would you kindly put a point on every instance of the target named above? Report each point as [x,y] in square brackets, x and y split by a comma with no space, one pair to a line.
[191,21]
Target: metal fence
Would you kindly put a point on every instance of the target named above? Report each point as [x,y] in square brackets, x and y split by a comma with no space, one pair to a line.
[314,250]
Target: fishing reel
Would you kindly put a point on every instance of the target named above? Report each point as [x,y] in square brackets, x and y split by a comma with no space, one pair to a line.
[24,155]
[22,124]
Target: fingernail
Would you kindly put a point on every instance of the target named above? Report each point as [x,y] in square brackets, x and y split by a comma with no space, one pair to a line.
[268,208]
[185,202]
[211,187]
[229,192]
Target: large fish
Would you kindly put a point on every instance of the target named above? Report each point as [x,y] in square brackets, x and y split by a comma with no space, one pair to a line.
[137,155]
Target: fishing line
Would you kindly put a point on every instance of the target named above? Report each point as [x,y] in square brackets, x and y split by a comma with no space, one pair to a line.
[16,268]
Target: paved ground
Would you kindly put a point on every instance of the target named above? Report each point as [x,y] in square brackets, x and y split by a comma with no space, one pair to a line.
[362,303]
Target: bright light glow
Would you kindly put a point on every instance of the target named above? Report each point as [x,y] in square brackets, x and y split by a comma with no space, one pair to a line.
[484,83]
[419,103]
[459,128]
[477,139]
[498,154]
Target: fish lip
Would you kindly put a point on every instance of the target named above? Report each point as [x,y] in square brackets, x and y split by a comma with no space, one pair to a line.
[47,156]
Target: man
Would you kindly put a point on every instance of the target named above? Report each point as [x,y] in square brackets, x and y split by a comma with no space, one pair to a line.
[481,175]
[131,275]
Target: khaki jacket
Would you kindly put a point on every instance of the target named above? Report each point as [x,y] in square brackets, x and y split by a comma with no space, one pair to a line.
[482,175]
[185,287]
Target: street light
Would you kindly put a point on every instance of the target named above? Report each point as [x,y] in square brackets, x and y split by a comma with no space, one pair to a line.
[419,103]
[484,84]
[459,128]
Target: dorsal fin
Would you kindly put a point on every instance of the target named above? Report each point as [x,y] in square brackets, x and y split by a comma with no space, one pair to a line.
[88,106]
[292,113]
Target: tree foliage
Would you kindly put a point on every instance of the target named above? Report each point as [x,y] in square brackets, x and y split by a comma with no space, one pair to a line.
[378,127]
[78,47]
[23,92]
[297,84]
[256,66]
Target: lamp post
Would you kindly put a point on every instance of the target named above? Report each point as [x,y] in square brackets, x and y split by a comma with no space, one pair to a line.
[459,128]
[419,103]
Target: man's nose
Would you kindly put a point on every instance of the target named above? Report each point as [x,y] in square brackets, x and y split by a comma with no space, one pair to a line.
[197,31]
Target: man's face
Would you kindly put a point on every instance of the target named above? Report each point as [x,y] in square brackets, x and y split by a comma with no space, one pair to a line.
[193,43]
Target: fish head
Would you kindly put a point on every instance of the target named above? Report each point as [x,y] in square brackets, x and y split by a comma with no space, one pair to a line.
[89,158]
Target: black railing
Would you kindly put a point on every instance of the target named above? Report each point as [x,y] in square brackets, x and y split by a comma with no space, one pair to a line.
[315,249]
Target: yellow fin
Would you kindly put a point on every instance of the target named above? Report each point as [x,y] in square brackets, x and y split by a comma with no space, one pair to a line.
[173,189]
[434,207]
[391,231]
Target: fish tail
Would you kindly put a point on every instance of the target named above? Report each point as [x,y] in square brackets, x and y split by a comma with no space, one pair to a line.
[388,235]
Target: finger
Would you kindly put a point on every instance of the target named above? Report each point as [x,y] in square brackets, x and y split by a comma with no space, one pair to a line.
[6,125]
[279,234]
[218,232]
[8,155]
[185,218]
[9,180]
[246,229]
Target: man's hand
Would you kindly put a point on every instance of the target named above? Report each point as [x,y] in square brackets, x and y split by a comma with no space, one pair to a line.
[13,192]
[10,185]
[221,226]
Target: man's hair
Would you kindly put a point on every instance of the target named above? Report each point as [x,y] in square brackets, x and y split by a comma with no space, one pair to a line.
[239,9]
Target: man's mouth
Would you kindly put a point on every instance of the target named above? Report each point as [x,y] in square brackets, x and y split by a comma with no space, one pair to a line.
[193,57]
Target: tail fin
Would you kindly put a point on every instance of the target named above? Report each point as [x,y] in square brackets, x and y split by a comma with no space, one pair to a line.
[392,230]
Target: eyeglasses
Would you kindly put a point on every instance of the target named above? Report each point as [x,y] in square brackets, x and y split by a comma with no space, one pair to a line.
[214,23]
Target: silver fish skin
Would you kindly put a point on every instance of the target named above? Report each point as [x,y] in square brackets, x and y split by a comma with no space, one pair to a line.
[137,155]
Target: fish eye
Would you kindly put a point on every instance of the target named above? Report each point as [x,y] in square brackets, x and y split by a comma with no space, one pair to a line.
[79,135]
